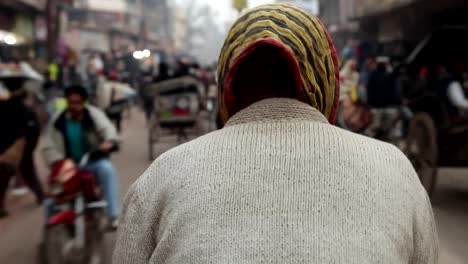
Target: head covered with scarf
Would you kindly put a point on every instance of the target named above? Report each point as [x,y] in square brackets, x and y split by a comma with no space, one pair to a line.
[278,50]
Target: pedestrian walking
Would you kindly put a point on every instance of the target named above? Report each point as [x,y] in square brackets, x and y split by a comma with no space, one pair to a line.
[279,183]
[19,134]
[381,92]
[27,167]
[27,174]
[349,78]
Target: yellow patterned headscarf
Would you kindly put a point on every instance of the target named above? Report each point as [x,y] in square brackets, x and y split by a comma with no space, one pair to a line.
[301,35]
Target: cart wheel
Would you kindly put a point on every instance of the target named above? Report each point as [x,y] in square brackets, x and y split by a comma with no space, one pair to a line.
[95,247]
[153,137]
[422,149]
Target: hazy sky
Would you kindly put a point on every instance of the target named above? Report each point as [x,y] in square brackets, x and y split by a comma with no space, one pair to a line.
[224,8]
[224,16]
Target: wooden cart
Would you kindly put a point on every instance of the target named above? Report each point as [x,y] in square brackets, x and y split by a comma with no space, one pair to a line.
[436,136]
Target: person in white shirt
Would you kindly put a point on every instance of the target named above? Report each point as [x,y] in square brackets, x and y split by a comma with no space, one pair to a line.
[457,93]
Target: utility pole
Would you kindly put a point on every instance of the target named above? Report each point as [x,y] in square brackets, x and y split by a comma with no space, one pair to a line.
[143,27]
[167,23]
[52,28]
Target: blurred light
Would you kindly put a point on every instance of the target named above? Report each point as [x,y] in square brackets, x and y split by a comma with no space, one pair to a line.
[333,28]
[138,55]
[146,53]
[9,40]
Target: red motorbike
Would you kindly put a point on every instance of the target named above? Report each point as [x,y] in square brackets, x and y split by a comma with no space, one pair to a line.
[75,227]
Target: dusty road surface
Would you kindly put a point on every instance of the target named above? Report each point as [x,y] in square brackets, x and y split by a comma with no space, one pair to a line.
[20,233]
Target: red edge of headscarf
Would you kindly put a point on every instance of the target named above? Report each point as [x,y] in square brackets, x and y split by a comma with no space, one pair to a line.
[334,54]
[229,100]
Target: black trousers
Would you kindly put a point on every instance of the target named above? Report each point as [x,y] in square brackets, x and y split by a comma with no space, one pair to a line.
[7,171]
[28,172]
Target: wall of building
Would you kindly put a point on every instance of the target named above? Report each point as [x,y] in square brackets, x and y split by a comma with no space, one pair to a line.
[18,19]
[180,30]
[338,17]
[157,17]
[372,7]
[396,27]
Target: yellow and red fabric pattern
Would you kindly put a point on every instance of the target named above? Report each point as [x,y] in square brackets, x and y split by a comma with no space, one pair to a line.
[302,36]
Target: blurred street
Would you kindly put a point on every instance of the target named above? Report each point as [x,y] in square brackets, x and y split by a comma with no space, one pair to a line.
[20,234]
[403,79]
[450,204]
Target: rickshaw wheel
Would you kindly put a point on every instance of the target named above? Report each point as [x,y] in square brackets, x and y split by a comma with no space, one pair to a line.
[153,137]
[422,149]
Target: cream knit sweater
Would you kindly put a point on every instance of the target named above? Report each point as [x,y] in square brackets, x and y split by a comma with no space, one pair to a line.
[278,185]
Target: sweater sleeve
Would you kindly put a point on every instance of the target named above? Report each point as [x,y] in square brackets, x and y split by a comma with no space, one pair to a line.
[135,243]
[424,230]
[52,148]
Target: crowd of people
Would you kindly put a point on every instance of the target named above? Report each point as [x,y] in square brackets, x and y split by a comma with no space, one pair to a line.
[76,112]
[59,108]
[72,131]
[378,87]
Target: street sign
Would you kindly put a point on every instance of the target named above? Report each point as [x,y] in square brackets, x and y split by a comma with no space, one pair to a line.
[239,4]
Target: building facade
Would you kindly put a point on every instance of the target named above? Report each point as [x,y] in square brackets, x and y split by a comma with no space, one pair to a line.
[157,24]
[396,26]
[102,25]
[114,25]
[22,29]
[180,30]
[338,17]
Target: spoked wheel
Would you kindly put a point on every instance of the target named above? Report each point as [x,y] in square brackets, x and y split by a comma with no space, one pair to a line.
[57,245]
[422,149]
[95,247]
[153,137]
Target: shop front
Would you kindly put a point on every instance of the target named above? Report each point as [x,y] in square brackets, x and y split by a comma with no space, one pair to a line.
[18,29]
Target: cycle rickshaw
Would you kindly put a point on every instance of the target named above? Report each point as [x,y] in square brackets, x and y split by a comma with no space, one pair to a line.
[177,107]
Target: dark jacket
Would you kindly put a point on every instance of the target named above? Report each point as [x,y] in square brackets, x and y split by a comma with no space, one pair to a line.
[97,129]
[381,91]
[14,120]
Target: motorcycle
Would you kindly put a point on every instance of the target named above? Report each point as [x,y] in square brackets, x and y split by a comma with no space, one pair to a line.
[75,214]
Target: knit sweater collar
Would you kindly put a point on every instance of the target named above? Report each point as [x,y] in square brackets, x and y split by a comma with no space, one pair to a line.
[277,110]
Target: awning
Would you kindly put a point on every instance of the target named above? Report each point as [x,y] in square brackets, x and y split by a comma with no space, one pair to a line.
[443,44]
[372,8]
[25,5]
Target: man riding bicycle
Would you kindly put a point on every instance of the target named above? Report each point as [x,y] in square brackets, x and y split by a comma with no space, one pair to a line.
[81,129]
